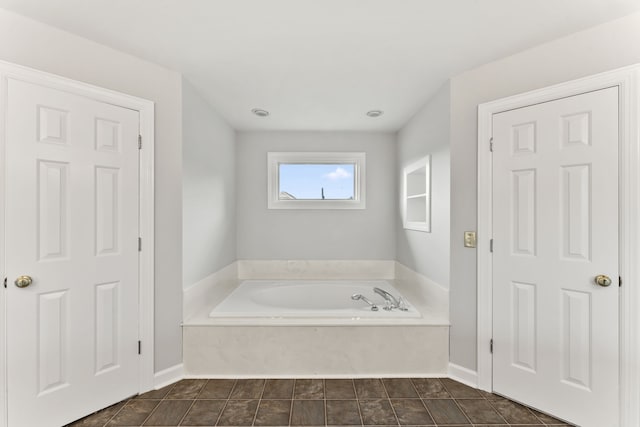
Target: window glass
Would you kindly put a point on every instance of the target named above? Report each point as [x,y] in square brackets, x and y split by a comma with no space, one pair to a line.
[316,181]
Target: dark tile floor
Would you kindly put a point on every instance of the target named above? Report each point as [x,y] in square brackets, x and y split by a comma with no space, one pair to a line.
[317,402]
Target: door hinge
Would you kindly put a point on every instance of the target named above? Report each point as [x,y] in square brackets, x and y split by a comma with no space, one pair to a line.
[619,282]
[491,346]
[491,144]
[139,347]
[491,245]
[139,142]
[5,283]
[139,244]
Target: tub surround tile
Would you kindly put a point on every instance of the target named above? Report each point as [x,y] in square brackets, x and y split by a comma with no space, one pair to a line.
[369,388]
[347,350]
[168,413]
[343,413]
[273,413]
[217,389]
[248,389]
[430,388]
[430,297]
[309,389]
[411,412]
[200,297]
[278,389]
[308,413]
[339,389]
[400,387]
[186,389]
[316,269]
[204,413]
[238,413]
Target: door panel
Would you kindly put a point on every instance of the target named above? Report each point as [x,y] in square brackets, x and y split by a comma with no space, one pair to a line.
[555,195]
[72,225]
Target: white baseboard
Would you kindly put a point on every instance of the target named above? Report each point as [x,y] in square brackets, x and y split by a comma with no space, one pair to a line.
[310,376]
[168,376]
[463,375]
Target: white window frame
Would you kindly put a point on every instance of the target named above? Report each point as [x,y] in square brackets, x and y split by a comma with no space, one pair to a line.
[275,159]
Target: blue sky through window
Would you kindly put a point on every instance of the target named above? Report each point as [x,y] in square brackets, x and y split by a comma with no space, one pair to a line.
[307,181]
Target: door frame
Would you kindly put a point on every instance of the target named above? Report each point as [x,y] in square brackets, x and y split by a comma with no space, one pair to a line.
[145,108]
[627,79]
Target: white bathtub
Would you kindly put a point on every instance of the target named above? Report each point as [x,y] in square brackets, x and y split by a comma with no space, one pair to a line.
[303,327]
[278,299]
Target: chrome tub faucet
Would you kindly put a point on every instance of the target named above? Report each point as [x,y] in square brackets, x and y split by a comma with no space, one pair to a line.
[391,301]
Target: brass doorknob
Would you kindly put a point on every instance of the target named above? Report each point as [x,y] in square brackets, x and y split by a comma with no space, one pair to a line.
[602,280]
[23,281]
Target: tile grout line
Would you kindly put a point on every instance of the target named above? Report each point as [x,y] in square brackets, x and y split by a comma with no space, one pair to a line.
[193,402]
[324,401]
[513,424]
[255,415]
[226,402]
[384,386]
[422,400]
[355,393]
[116,413]
[151,413]
[293,391]
[455,401]
[158,404]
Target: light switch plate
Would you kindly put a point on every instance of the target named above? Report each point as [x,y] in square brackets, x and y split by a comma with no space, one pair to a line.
[469,239]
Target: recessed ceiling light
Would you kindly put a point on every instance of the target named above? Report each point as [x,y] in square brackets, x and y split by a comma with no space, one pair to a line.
[375,113]
[259,112]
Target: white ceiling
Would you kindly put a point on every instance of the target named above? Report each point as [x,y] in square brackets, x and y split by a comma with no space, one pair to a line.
[321,64]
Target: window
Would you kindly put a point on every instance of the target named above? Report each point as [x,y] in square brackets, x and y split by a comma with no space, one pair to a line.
[416,196]
[316,180]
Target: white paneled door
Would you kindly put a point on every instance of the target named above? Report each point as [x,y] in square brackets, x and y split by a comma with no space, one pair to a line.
[71,230]
[555,222]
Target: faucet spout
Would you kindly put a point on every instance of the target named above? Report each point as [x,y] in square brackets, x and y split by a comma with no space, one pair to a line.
[392,302]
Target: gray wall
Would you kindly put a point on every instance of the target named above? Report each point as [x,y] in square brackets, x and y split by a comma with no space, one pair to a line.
[30,43]
[605,47]
[308,234]
[208,189]
[428,133]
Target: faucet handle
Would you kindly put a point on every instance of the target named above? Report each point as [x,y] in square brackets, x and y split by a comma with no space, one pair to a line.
[401,305]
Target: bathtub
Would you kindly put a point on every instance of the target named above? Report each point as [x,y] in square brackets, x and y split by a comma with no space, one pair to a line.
[316,299]
[303,327]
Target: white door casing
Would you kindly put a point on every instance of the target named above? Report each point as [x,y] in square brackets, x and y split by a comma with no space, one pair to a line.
[626,81]
[66,141]
[555,228]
